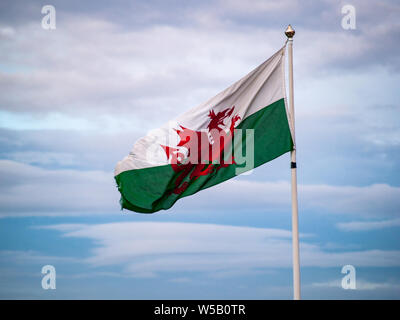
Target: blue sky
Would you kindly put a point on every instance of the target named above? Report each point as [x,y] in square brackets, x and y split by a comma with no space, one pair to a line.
[74,100]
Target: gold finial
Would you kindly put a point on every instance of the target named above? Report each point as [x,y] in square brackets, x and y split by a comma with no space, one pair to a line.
[289,32]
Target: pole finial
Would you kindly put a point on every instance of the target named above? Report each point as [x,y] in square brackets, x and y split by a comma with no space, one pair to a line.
[289,32]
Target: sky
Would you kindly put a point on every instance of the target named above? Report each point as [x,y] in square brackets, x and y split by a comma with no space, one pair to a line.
[74,99]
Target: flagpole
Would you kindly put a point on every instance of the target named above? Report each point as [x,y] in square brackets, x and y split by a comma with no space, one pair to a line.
[295,217]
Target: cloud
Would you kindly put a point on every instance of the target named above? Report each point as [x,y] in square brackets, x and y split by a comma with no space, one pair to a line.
[99,74]
[107,68]
[92,64]
[32,257]
[258,7]
[368,225]
[66,149]
[144,249]
[95,73]
[7,32]
[27,190]
[372,201]
[360,285]
[99,82]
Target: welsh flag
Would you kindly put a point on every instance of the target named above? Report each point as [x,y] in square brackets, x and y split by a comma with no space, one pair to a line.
[239,129]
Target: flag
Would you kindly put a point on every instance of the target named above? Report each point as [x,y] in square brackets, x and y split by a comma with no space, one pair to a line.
[239,129]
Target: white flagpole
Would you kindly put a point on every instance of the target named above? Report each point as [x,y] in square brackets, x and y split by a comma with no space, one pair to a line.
[295,218]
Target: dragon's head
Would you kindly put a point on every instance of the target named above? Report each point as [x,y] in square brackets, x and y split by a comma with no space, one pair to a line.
[217,120]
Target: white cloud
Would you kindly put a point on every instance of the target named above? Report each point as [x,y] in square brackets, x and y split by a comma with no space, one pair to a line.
[85,150]
[32,257]
[44,158]
[373,200]
[27,190]
[360,285]
[368,225]
[146,249]
[258,6]
[107,68]
[94,65]
[99,71]
[7,32]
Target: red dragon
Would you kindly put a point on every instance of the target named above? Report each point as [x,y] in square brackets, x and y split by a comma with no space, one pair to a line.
[196,150]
